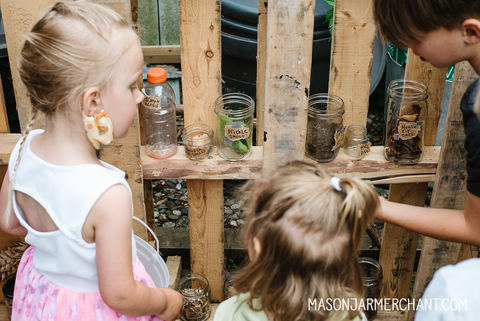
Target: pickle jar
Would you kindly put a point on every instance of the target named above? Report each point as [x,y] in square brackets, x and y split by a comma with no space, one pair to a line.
[198,140]
[196,297]
[235,126]
[356,142]
[325,130]
[372,283]
[406,109]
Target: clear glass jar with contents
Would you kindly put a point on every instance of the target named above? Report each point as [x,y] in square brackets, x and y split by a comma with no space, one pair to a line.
[228,289]
[235,126]
[196,297]
[356,142]
[198,140]
[325,130]
[159,113]
[372,283]
[406,121]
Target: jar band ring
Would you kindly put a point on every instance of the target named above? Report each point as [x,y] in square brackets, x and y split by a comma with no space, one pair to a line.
[335,181]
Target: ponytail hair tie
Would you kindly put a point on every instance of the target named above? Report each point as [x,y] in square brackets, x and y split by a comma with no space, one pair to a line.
[335,181]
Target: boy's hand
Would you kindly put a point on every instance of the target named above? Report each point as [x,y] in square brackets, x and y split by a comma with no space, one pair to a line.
[174,305]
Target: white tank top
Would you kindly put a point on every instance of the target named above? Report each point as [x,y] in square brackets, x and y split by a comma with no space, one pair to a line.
[67,193]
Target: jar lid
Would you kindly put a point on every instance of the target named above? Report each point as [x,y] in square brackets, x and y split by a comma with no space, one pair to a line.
[156,75]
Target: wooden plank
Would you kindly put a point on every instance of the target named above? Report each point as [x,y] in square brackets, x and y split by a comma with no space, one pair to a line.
[165,54]
[3,311]
[200,38]
[261,67]
[174,265]
[373,165]
[352,55]
[467,252]
[399,245]
[148,19]
[405,179]
[4,127]
[289,58]
[449,191]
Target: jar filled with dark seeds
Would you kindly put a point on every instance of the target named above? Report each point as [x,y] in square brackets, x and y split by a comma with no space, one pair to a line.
[196,297]
[325,130]
[406,121]
[372,282]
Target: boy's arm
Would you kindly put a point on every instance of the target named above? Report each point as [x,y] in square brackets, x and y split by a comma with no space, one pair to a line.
[14,227]
[461,226]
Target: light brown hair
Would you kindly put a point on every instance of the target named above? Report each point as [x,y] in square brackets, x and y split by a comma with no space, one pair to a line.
[404,22]
[72,47]
[310,235]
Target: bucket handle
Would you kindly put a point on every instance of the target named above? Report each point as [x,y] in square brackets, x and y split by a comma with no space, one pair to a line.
[150,230]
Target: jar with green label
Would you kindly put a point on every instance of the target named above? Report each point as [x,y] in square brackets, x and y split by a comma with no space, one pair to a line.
[406,121]
[235,126]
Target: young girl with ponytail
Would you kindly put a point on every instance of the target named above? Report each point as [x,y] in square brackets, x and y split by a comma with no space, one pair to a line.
[80,64]
[303,230]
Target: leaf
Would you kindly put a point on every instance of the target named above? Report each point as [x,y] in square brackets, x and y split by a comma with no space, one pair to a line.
[330,2]
[329,19]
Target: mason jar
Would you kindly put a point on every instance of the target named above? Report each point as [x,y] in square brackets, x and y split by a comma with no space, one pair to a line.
[372,283]
[235,126]
[406,121]
[356,142]
[325,130]
[198,140]
[196,297]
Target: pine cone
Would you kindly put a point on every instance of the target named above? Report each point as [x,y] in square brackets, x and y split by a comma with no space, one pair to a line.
[10,258]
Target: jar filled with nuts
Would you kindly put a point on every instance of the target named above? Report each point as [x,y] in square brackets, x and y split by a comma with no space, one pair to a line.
[196,297]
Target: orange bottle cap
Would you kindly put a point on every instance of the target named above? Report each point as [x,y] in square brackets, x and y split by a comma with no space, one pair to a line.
[156,75]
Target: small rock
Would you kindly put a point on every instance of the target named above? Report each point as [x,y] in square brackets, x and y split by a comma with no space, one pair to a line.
[179,186]
[156,220]
[174,181]
[174,217]
[177,202]
[228,212]
[229,203]
[235,206]
[162,217]
[234,223]
[168,212]
[234,217]
[163,210]
[184,198]
[155,213]
[240,222]
[184,211]
[168,224]
[158,194]
[172,195]
[176,212]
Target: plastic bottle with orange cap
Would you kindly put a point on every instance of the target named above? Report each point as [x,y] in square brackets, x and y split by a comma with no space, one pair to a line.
[159,112]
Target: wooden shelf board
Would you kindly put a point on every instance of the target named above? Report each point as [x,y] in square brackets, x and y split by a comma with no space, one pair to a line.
[373,165]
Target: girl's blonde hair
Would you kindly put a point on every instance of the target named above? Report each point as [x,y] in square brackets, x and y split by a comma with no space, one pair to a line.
[310,235]
[74,46]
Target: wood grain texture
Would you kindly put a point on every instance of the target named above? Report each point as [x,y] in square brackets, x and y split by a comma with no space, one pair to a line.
[450,184]
[373,165]
[4,127]
[399,245]
[166,54]
[174,265]
[261,67]
[200,41]
[351,58]
[289,58]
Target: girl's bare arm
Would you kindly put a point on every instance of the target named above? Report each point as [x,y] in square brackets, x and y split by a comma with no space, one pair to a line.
[461,226]
[112,223]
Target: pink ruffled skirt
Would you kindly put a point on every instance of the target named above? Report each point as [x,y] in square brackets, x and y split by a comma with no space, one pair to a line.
[36,298]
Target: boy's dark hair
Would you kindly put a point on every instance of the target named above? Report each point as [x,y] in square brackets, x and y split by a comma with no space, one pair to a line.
[403,22]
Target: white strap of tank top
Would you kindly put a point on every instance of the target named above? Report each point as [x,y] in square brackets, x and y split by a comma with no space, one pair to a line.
[335,181]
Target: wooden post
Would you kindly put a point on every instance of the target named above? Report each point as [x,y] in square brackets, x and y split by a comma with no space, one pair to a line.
[399,245]
[261,66]
[352,55]
[289,58]
[201,83]
[450,184]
